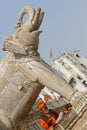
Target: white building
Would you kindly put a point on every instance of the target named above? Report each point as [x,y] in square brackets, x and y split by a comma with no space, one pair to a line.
[73,68]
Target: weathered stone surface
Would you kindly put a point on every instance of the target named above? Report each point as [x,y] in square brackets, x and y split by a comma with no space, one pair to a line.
[23,73]
[81,124]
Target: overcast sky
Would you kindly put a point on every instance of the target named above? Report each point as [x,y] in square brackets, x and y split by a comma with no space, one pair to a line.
[64,26]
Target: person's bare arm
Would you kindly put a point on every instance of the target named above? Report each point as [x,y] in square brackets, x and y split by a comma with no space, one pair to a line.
[59,117]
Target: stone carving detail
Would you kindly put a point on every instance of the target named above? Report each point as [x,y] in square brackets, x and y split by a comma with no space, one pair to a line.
[23,74]
[26,38]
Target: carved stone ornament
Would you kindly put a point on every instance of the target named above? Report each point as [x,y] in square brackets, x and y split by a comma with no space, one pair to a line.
[25,40]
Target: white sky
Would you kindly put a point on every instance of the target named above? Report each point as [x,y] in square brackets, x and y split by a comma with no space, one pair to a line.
[64,26]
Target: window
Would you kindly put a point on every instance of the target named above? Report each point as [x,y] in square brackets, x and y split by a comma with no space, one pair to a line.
[79,77]
[72,82]
[83,66]
[77,55]
[85,82]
